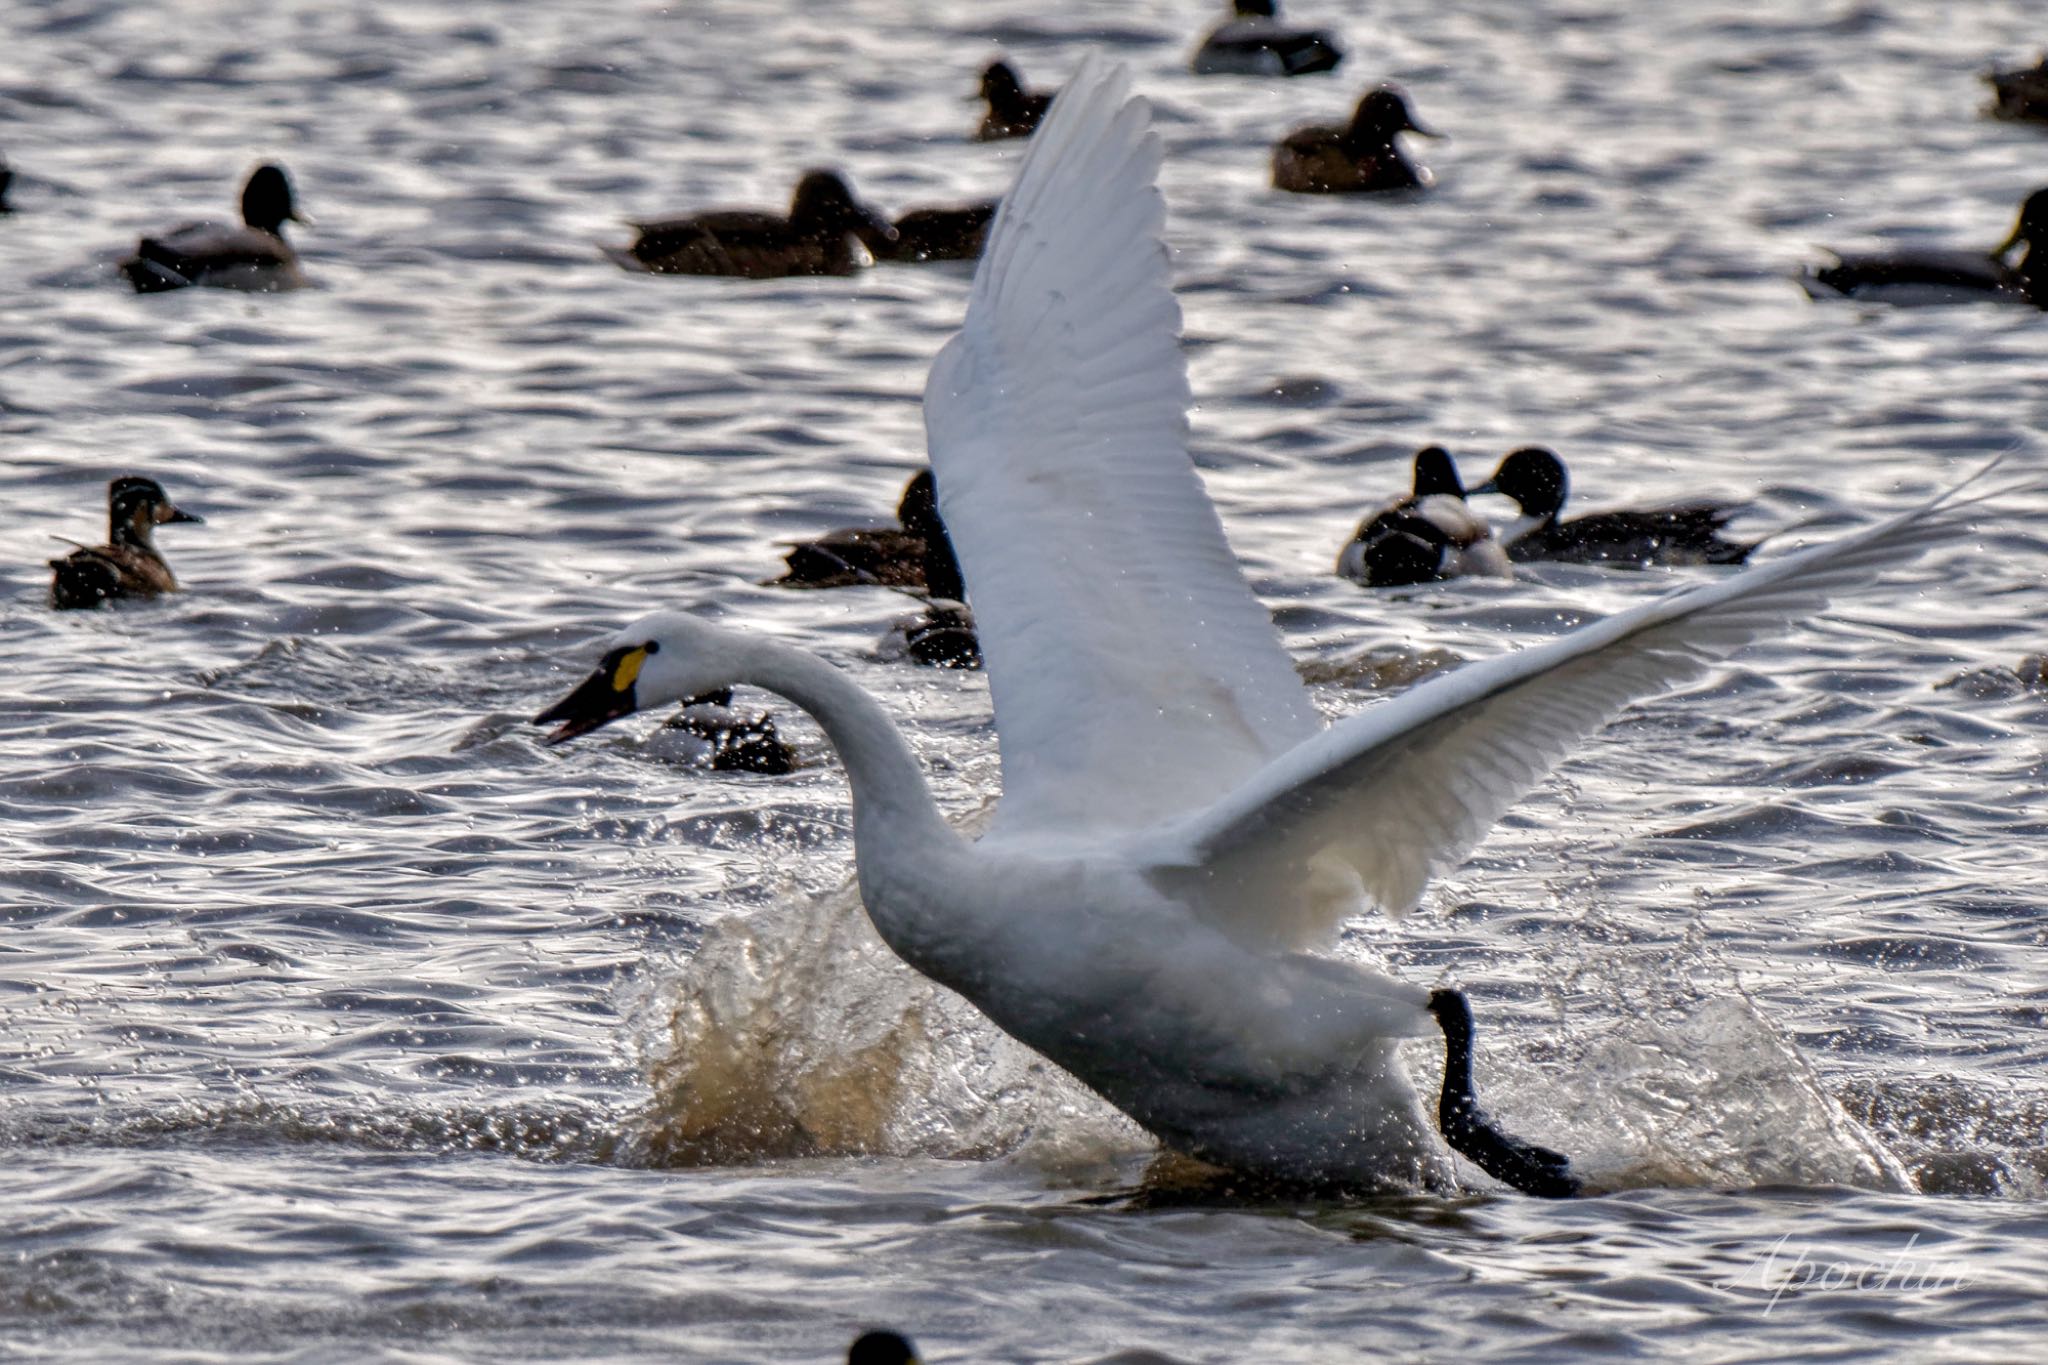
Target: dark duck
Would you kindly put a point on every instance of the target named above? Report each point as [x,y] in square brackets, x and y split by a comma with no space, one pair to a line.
[1013,111]
[820,236]
[251,255]
[938,234]
[2021,93]
[889,556]
[1253,42]
[1360,157]
[1933,276]
[1426,537]
[129,564]
[1682,533]
[707,731]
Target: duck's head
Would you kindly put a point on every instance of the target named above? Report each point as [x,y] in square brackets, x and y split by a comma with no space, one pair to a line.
[137,506]
[667,657]
[1382,113]
[881,1348]
[1434,473]
[824,197]
[1533,477]
[999,83]
[1256,9]
[919,510]
[267,202]
[2032,228]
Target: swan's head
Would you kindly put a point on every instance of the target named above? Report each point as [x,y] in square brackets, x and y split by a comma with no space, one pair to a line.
[659,659]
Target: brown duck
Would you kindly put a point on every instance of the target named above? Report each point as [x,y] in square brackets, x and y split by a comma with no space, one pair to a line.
[939,234]
[817,238]
[1013,111]
[1358,158]
[250,255]
[128,565]
[890,556]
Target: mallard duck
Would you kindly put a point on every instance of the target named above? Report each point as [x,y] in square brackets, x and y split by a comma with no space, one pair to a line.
[1935,276]
[1358,158]
[1426,537]
[1013,111]
[1682,533]
[252,255]
[890,556]
[939,234]
[129,564]
[1252,43]
[2021,93]
[817,238]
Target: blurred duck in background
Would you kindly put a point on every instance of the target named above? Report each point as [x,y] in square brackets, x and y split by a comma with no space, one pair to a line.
[251,255]
[2020,94]
[1934,276]
[819,236]
[1253,42]
[1360,157]
[1013,111]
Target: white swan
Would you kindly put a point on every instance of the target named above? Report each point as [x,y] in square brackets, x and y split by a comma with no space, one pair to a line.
[1178,829]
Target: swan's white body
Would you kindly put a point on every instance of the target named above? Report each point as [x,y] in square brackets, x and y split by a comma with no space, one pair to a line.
[1178,830]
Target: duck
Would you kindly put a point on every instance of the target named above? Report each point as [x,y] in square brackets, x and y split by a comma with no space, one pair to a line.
[129,565]
[1156,903]
[6,182]
[252,255]
[1358,158]
[2021,93]
[1013,111]
[1936,277]
[889,556]
[1426,537]
[1253,43]
[1682,533]
[882,1348]
[706,732]
[953,233]
[819,236]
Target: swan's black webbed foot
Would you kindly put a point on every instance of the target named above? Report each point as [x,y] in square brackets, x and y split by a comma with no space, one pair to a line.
[1529,1168]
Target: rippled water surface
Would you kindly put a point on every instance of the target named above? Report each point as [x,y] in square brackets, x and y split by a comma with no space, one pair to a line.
[342,1021]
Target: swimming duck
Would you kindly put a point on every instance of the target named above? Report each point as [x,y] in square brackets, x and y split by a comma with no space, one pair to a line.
[252,255]
[1924,277]
[2021,93]
[1683,533]
[1358,158]
[891,556]
[939,234]
[817,238]
[1252,43]
[707,732]
[1426,537]
[129,564]
[881,1348]
[6,179]
[1013,111]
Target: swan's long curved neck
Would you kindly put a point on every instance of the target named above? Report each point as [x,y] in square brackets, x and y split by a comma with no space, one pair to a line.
[893,810]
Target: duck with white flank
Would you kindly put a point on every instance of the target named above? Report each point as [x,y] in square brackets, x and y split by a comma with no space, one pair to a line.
[709,732]
[1013,111]
[1180,833]
[1426,537]
[1253,42]
[2021,93]
[1682,533]
[1935,277]
[251,255]
[1360,157]
[129,565]
[821,236]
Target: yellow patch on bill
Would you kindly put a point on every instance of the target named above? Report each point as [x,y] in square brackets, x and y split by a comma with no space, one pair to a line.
[628,669]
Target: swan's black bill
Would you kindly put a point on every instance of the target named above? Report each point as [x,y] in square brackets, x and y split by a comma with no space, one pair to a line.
[601,698]
[1465,1126]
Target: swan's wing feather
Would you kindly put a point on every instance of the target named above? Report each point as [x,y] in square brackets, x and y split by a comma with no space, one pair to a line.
[1403,791]
[1135,676]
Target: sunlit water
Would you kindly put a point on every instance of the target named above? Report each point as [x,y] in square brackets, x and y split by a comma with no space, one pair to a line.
[344,1022]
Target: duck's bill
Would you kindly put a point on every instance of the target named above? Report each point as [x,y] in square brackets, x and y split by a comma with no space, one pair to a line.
[167,514]
[596,702]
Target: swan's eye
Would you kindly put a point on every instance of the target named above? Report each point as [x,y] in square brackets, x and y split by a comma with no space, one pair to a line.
[652,646]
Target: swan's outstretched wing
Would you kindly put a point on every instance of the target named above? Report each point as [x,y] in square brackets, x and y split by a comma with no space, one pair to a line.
[1403,791]
[1135,676]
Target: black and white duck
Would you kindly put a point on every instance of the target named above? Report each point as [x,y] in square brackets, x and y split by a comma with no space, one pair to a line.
[1253,42]
[250,255]
[1427,536]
